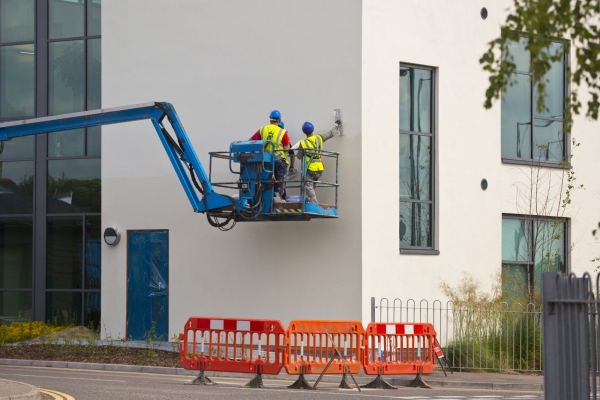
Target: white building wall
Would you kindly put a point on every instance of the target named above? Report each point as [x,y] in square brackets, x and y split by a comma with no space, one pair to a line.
[451,37]
[225,65]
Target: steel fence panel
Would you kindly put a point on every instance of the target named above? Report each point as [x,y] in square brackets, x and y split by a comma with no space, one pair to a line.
[475,336]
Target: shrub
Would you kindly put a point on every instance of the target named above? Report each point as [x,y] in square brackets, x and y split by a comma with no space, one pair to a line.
[23,331]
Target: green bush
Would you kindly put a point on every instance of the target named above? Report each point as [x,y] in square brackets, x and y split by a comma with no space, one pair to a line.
[23,331]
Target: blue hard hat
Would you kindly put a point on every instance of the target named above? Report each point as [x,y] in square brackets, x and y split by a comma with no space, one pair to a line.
[275,114]
[307,127]
[281,125]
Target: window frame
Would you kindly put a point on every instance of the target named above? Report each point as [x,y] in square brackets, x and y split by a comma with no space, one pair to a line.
[424,250]
[532,114]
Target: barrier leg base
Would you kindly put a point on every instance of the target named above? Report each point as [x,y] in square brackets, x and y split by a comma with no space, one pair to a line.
[344,383]
[378,383]
[201,379]
[257,381]
[419,382]
[301,383]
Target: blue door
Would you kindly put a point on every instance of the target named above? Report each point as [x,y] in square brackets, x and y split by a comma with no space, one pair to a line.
[148,285]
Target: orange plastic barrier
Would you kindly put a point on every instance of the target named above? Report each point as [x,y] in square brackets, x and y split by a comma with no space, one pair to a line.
[232,345]
[309,347]
[399,348]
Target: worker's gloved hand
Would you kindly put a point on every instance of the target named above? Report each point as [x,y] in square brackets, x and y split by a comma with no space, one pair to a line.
[338,122]
[292,172]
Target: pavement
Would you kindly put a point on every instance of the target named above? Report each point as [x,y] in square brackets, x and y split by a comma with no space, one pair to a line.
[465,380]
[10,390]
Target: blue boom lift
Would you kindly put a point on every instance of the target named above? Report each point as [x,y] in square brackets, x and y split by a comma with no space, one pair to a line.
[254,202]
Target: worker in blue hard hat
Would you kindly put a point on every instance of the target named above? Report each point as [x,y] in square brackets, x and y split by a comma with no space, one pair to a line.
[276,133]
[311,149]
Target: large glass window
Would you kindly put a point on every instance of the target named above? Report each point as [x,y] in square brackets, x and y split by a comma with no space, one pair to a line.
[530,246]
[416,157]
[16,253]
[15,306]
[74,186]
[17,18]
[66,18]
[16,187]
[73,265]
[17,81]
[528,133]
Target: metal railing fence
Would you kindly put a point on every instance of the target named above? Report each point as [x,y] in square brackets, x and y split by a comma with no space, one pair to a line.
[475,336]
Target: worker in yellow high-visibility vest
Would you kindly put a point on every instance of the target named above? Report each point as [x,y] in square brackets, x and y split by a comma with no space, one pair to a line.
[281,142]
[311,148]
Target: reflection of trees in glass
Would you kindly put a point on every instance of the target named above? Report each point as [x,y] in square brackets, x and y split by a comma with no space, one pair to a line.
[70,67]
[86,193]
[415,154]
[26,183]
[539,247]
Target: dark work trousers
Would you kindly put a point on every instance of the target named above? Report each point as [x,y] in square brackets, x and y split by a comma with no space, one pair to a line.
[281,170]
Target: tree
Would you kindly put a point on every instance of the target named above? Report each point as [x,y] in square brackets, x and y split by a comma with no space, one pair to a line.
[543,20]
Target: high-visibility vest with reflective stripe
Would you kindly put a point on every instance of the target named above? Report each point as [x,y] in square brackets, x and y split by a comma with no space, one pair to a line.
[275,134]
[314,160]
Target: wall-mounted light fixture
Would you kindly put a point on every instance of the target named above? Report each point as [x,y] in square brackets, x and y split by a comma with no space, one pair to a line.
[112,236]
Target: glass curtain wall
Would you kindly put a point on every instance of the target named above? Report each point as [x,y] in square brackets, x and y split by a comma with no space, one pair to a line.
[17,101]
[50,188]
[73,165]
[416,157]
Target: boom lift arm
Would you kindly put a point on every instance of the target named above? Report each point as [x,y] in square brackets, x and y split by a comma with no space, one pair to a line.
[255,200]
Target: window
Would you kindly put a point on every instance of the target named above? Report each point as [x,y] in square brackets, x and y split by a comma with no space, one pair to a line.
[416,159]
[530,246]
[529,135]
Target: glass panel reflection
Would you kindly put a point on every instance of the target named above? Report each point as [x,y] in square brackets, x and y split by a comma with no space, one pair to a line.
[66,143]
[515,239]
[515,284]
[21,147]
[91,318]
[63,308]
[66,77]
[16,21]
[520,54]
[94,141]
[65,18]
[94,74]
[15,307]
[16,187]
[415,166]
[64,253]
[94,17]
[554,80]
[516,119]
[550,247]
[548,140]
[415,224]
[92,253]
[17,81]
[415,100]
[16,253]
[74,186]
